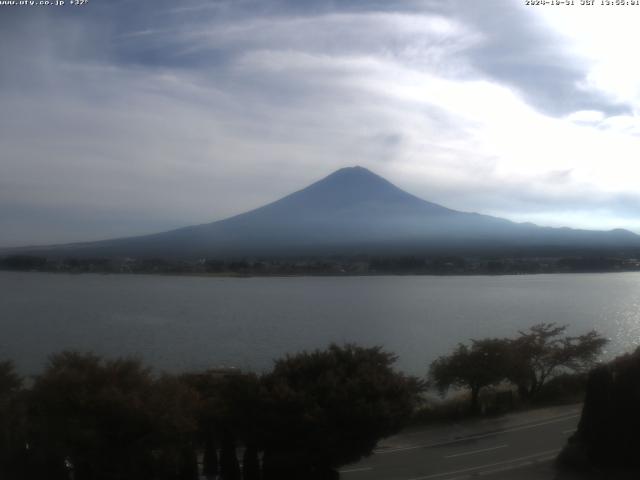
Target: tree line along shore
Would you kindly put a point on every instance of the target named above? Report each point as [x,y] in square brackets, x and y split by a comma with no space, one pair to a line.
[85,417]
[338,265]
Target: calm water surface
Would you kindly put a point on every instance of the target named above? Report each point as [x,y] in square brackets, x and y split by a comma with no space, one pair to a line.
[177,323]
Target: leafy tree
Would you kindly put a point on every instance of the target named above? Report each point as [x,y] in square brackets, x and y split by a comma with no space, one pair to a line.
[250,463]
[172,438]
[229,465]
[324,409]
[228,410]
[607,436]
[210,459]
[10,381]
[476,366]
[188,463]
[12,421]
[110,420]
[542,352]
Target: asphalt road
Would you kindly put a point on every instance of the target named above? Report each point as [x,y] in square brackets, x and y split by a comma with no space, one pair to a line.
[518,446]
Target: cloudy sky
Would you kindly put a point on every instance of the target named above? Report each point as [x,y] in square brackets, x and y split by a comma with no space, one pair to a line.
[125,117]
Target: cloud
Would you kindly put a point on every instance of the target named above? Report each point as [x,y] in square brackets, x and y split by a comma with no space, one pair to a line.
[526,51]
[134,118]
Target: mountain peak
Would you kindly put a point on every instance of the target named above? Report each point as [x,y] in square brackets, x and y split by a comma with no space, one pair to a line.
[353,172]
[353,184]
[356,177]
[352,189]
[354,169]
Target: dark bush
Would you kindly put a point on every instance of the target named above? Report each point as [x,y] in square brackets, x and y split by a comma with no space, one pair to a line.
[327,408]
[607,435]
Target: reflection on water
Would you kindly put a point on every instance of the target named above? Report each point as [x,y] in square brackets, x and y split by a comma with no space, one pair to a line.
[626,321]
[191,322]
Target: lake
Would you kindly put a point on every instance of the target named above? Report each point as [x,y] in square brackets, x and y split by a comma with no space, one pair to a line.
[178,323]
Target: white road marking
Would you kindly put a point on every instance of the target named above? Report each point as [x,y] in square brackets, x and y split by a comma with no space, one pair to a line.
[476,437]
[476,451]
[489,465]
[352,470]
[569,413]
[516,465]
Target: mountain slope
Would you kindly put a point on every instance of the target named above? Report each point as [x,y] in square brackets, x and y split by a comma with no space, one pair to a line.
[350,211]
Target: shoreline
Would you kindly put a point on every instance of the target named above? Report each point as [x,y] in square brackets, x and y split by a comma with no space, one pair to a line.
[319,275]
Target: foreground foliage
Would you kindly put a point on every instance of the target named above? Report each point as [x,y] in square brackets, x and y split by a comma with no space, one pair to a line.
[540,353]
[337,403]
[607,433]
[528,361]
[107,419]
[476,366]
[88,418]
